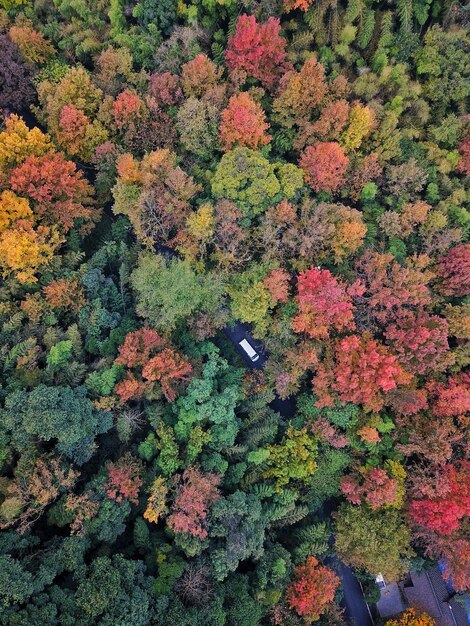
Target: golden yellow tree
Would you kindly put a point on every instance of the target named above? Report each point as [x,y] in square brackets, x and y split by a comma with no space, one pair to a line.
[23,250]
[17,143]
[412,618]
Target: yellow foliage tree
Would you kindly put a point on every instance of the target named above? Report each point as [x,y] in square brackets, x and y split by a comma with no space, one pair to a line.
[156,504]
[361,123]
[12,208]
[412,618]
[17,143]
[24,250]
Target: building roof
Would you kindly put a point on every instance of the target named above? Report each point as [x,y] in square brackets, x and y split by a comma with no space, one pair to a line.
[427,591]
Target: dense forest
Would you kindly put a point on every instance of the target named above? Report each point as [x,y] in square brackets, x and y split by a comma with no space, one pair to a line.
[170,169]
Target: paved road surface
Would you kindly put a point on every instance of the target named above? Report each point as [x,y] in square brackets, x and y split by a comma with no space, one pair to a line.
[357,611]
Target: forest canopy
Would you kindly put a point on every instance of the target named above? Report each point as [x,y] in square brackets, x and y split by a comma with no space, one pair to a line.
[176,177]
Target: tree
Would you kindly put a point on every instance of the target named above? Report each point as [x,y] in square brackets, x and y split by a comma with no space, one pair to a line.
[450,398]
[154,194]
[375,542]
[453,271]
[363,372]
[17,142]
[166,367]
[301,94]
[31,43]
[238,527]
[195,494]
[65,295]
[393,289]
[128,108]
[165,88]
[293,459]
[313,587]
[464,161]
[16,86]
[252,182]
[124,479]
[323,304]
[24,250]
[199,75]
[167,295]
[442,513]
[149,360]
[325,166]
[74,89]
[13,208]
[361,123]
[290,5]
[243,123]
[156,503]
[257,50]
[376,486]
[58,414]
[138,346]
[411,618]
[197,123]
[58,193]
[421,343]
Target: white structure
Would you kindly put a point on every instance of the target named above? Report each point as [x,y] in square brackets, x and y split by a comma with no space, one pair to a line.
[248,348]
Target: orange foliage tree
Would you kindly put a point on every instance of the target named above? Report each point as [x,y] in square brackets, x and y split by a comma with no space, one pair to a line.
[243,123]
[313,588]
[325,166]
[58,193]
[145,368]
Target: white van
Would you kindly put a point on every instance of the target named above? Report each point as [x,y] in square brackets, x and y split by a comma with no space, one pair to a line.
[248,348]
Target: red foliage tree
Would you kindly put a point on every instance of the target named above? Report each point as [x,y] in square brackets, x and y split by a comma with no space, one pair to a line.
[168,367]
[243,123]
[313,587]
[195,494]
[452,398]
[165,89]
[421,342]
[464,162]
[393,290]
[258,50]
[58,192]
[325,166]
[454,271]
[124,479]
[324,304]
[373,485]
[363,372]
[443,513]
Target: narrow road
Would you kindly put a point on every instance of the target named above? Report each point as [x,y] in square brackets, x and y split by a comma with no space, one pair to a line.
[356,609]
